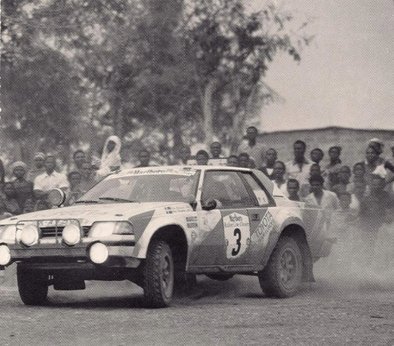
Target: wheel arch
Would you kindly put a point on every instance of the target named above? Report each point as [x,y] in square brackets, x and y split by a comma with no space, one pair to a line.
[175,236]
[296,231]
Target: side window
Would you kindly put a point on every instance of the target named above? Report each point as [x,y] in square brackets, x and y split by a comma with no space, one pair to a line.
[227,188]
[258,191]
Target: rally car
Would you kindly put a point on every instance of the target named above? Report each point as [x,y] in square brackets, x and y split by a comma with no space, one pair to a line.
[159,226]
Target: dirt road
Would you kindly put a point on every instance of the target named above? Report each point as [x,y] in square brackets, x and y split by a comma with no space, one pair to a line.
[232,313]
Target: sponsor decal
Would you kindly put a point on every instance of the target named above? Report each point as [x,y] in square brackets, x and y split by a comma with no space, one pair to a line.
[237,234]
[264,228]
[192,225]
[180,171]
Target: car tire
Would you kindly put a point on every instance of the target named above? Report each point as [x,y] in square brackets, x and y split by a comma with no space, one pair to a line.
[282,276]
[32,286]
[158,275]
[220,277]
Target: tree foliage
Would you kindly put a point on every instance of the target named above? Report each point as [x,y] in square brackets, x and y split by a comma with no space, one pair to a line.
[177,68]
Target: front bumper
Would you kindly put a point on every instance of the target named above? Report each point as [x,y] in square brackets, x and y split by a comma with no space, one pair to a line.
[55,254]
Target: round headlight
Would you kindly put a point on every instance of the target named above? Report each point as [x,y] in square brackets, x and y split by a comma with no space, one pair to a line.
[56,197]
[71,234]
[98,253]
[29,235]
[5,255]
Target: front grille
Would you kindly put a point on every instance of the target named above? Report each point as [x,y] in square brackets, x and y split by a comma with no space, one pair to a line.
[52,232]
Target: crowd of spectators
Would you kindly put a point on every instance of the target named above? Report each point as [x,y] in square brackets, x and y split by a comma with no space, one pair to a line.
[362,190]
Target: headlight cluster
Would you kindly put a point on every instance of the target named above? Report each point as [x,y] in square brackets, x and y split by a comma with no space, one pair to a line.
[71,234]
[7,233]
[107,228]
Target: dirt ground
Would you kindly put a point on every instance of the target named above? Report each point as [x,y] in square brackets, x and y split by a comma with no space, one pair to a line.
[348,309]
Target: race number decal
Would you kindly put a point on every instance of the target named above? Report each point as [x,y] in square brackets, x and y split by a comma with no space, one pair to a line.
[237,234]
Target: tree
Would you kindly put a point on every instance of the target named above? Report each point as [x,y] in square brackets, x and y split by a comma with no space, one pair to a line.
[232,48]
[40,99]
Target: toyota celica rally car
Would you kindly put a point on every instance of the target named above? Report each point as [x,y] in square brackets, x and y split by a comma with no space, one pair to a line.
[160,226]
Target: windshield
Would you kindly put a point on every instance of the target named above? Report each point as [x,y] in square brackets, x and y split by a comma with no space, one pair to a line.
[144,188]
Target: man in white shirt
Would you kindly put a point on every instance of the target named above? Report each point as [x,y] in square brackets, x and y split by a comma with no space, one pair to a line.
[255,149]
[320,198]
[299,168]
[50,179]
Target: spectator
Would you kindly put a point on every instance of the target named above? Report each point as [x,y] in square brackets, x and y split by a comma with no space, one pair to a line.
[374,164]
[252,164]
[293,187]
[2,177]
[278,177]
[88,177]
[3,210]
[10,203]
[216,157]
[314,171]
[144,158]
[62,157]
[299,168]
[49,180]
[268,167]
[30,205]
[74,180]
[255,149]
[344,175]
[79,157]
[343,228]
[38,167]
[316,155]
[110,159]
[375,209]
[202,158]
[232,161]
[185,155]
[243,160]
[320,198]
[390,175]
[331,171]
[23,188]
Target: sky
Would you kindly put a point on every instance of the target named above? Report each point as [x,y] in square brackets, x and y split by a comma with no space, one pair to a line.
[345,77]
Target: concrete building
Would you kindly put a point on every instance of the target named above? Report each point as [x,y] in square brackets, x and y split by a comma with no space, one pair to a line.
[352,141]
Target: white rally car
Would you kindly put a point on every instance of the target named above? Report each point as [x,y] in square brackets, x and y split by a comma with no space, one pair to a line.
[159,226]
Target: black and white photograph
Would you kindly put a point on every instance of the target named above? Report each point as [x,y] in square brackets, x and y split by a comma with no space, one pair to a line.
[197,172]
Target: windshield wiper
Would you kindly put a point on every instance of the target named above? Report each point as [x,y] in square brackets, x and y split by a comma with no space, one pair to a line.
[87,201]
[116,199]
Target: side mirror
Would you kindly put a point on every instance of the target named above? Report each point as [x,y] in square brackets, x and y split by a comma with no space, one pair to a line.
[56,197]
[210,204]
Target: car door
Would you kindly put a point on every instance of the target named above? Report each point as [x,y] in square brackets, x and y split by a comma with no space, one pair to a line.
[262,222]
[227,227]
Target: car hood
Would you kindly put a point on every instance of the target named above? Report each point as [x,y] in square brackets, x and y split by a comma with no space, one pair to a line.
[89,213]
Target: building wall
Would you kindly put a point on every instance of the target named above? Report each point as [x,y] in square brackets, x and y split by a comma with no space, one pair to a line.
[352,141]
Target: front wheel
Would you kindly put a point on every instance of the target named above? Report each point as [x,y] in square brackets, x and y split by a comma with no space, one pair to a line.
[32,286]
[282,276]
[158,275]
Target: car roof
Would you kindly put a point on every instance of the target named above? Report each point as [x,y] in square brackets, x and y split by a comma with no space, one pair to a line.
[179,169]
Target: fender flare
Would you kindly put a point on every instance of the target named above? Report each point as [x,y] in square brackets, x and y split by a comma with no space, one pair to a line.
[274,236]
[141,247]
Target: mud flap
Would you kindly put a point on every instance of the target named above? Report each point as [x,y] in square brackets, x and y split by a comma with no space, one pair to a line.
[67,283]
[307,265]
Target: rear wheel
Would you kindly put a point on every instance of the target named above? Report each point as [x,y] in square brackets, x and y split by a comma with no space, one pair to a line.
[32,286]
[158,275]
[282,276]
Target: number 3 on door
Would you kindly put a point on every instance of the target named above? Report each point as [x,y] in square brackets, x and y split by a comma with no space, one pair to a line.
[236,234]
